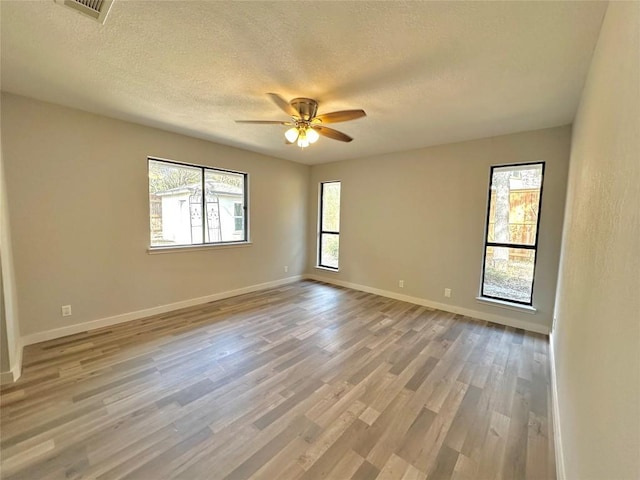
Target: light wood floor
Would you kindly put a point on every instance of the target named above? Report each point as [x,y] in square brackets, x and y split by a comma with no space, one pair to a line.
[306,381]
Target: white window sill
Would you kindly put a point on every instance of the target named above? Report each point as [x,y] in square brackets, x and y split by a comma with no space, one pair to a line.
[327,269]
[507,305]
[192,248]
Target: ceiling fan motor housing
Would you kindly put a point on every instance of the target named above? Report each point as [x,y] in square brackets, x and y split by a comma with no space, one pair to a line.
[307,107]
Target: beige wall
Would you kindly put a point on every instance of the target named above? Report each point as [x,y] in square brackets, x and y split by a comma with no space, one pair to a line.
[420,216]
[10,343]
[79,211]
[5,365]
[597,338]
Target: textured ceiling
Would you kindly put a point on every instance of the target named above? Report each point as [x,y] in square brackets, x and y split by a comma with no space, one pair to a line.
[425,72]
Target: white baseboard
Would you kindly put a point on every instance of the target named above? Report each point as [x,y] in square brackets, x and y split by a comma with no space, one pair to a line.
[16,369]
[52,334]
[510,322]
[557,437]
[147,312]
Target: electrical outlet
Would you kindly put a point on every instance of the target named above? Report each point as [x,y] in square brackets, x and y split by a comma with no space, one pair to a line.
[286,268]
[401,283]
[447,292]
[66,310]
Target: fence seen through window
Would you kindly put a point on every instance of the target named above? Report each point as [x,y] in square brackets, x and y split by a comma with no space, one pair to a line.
[512,232]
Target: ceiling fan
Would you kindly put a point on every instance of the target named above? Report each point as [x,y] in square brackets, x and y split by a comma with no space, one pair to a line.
[306,125]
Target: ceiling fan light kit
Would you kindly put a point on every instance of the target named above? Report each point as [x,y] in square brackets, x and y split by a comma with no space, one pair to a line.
[305,123]
[302,135]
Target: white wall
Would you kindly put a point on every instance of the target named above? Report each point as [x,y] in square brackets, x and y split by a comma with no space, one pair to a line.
[79,211]
[420,216]
[597,338]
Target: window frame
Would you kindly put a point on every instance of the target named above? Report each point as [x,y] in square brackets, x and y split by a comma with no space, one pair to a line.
[321,231]
[487,243]
[203,169]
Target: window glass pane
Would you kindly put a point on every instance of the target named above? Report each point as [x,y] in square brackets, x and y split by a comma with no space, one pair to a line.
[331,207]
[514,204]
[181,215]
[329,251]
[238,215]
[176,212]
[224,200]
[508,273]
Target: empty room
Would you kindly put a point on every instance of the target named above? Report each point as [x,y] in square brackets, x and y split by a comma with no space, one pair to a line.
[299,240]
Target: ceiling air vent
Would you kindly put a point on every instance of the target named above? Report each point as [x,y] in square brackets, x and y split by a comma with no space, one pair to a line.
[96,9]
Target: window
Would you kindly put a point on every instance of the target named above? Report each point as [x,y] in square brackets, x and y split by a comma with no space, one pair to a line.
[238,216]
[181,215]
[511,238]
[329,241]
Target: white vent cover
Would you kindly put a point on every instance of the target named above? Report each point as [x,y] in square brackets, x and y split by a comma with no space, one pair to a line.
[96,9]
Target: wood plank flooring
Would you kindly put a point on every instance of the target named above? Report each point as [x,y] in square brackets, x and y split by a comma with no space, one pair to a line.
[306,381]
